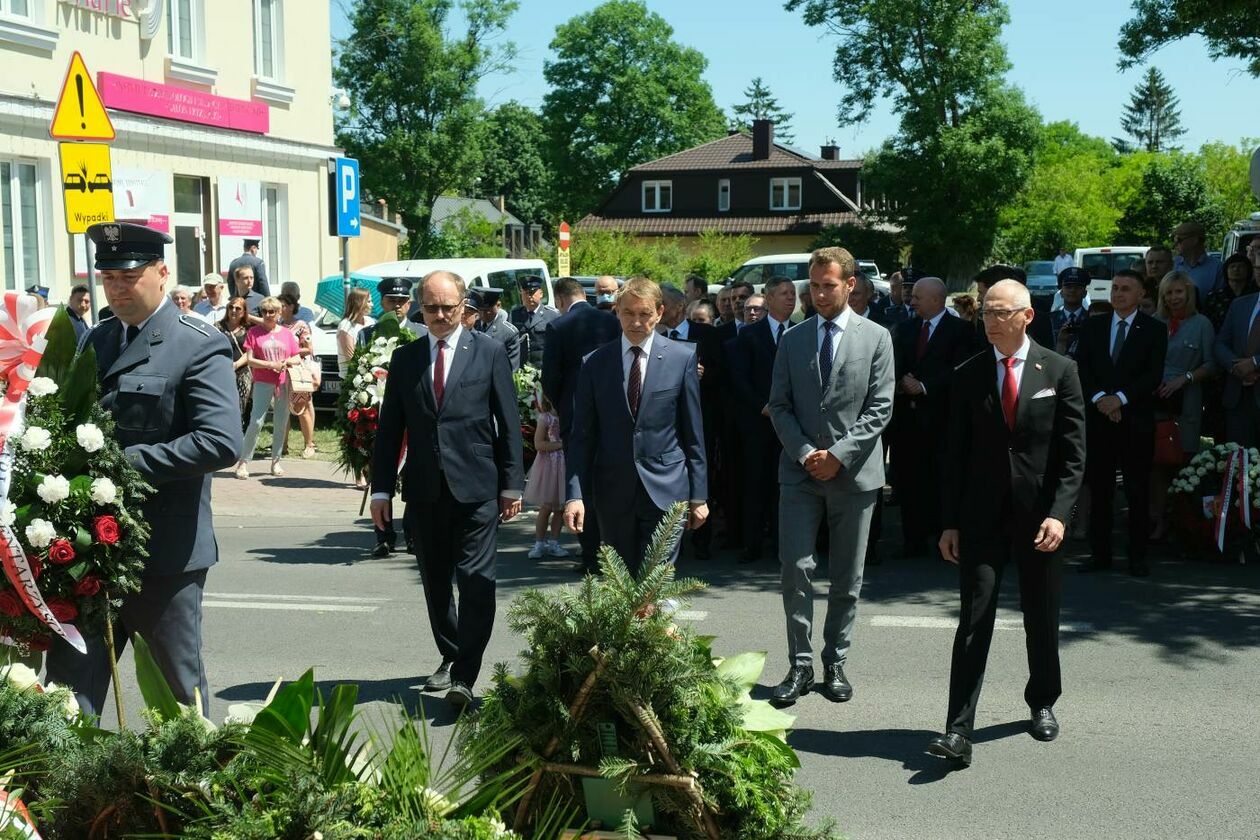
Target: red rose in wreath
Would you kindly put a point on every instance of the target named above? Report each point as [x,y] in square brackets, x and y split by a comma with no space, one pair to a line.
[37,568]
[88,587]
[105,530]
[353,415]
[61,552]
[62,609]
[10,604]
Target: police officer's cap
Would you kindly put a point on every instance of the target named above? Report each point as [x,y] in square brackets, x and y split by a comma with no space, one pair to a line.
[123,245]
[1073,276]
[473,298]
[394,287]
[1001,271]
[911,275]
[531,282]
[488,296]
[37,289]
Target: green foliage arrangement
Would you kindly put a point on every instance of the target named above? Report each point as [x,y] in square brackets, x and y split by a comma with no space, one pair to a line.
[865,242]
[362,391]
[650,699]
[711,255]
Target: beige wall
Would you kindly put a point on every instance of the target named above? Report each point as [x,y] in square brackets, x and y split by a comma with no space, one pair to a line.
[377,243]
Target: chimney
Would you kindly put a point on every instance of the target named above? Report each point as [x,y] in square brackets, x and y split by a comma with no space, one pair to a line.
[830,152]
[763,139]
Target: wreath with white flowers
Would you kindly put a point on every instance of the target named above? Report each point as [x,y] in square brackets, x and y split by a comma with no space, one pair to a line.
[363,391]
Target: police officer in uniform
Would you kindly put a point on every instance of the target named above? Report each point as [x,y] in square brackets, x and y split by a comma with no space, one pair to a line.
[493,321]
[1067,321]
[395,295]
[531,319]
[167,380]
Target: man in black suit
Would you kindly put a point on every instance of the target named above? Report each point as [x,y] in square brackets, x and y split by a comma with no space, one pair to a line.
[898,308]
[1040,330]
[1016,456]
[752,369]
[1121,358]
[927,349]
[451,394]
[569,339]
[728,477]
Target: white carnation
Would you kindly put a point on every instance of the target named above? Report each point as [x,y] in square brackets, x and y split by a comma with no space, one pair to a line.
[8,513]
[40,533]
[41,386]
[53,489]
[35,439]
[365,398]
[103,491]
[20,676]
[69,703]
[90,437]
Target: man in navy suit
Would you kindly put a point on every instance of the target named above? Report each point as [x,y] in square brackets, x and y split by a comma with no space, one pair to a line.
[752,369]
[569,339]
[451,394]
[638,434]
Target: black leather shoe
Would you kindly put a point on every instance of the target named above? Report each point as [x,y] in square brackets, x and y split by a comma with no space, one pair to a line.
[951,746]
[439,680]
[835,686]
[382,549]
[1094,566]
[460,695]
[1043,725]
[799,680]
[1138,568]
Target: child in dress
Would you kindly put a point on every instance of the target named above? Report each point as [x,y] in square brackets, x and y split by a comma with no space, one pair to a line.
[546,485]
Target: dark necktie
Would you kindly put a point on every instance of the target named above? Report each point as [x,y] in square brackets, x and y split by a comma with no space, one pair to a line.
[779,336]
[1010,392]
[674,334]
[439,374]
[1118,344]
[133,332]
[634,384]
[925,333]
[826,356]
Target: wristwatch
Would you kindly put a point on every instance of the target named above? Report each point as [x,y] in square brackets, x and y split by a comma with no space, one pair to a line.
[1189,376]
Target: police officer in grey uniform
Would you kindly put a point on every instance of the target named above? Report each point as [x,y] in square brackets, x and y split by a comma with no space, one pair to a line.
[395,295]
[494,322]
[167,380]
[531,318]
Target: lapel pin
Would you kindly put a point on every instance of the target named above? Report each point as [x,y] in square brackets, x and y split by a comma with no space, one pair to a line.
[1037,365]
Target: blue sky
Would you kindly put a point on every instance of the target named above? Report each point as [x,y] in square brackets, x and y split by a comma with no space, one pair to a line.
[1064,57]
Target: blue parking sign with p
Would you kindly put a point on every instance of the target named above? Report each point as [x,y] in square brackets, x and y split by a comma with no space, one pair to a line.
[345,196]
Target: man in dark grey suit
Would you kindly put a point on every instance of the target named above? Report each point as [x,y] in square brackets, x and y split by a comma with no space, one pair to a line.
[250,258]
[830,400]
[167,379]
[451,394]
[638,434]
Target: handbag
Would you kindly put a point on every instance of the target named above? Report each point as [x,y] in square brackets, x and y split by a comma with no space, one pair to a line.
[1168,444]
[300,379]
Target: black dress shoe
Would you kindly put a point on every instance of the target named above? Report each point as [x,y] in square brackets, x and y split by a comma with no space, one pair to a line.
[799,680]
[835,686]
[460,695]
[1094,566]
[951,746]
[1043,726]
[1138,568]
[382,549]
[439,680]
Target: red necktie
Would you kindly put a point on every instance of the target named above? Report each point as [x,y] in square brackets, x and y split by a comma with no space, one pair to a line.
[439,375]
[634,385]
[1010,392]
[924,334]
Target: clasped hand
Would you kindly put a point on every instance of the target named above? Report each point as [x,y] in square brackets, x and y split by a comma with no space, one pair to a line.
[822,465]
[1110,405]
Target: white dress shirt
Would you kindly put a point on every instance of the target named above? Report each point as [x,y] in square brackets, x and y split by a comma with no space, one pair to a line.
[140,326]
[1128,333]
[683,330]
[842,323]
[934,322]
[627,357]
[774,327]
[1017,370]
[1063,261]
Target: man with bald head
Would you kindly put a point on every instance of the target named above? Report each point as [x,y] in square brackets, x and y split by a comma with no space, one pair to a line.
[1014,464]
[606,287]
[928,347]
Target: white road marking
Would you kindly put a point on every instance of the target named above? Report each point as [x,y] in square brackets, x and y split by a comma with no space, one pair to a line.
[291,607]
[692,615]
[243,596]
[935,623]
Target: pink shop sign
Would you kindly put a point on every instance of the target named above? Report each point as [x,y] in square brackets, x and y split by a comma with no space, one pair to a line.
[176,103]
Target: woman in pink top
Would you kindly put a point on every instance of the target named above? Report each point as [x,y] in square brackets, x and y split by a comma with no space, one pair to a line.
[272,349]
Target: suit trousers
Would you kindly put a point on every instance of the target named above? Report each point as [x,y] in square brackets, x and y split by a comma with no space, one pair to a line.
[629,532]
[760,458]
[166,612]
[1129,447]
[456,544]
[803,508]
[1242,423]
[980,578]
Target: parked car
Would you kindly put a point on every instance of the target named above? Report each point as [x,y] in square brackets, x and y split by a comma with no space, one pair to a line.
[1103,263]
[1239,236]
[795,266]
[588,284]
[874,275]
[1042,281]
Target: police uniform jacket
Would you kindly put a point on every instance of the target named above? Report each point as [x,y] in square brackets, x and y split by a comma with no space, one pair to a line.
[501,330]
[532,327]
[172,393]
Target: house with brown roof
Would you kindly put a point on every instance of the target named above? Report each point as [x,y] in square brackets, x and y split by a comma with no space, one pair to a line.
[741,184]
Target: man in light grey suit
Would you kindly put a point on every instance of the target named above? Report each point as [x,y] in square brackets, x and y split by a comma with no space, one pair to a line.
[830,400]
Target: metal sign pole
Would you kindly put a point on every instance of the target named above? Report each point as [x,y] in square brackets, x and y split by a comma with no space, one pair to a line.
[345,269]
[91,276]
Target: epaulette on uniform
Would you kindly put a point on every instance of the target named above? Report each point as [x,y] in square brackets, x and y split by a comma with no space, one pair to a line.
[196,323]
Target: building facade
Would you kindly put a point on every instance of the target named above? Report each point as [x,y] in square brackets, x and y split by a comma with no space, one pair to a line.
[223,112]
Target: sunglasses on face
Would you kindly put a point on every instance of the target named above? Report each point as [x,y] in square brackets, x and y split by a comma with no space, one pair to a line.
[437,308]
[269,311]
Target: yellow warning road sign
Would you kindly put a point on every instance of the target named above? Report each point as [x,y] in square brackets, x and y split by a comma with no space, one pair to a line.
[87,183]
[80,114]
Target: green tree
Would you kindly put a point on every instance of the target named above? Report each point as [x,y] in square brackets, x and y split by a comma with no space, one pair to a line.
[1226,170]
[1173,190]
[415,119]
[865,242]
[466,234]
[1230,27]
[965,142]
[1152,117]
[514,162]
[760,104]
[623,92]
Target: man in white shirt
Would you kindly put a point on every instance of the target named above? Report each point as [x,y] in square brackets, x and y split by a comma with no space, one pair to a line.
[1063,260]
[214,306]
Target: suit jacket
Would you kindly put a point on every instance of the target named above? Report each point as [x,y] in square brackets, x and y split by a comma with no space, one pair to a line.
[260,274]
[951,343]
[752,368]
[844,415]
[1138,372]
[704,338]
[999,483]
[501,330]
[663,448]
[570,339]
[1231,344]
[1058,320]
[173,397]
[893,314]
[474,439]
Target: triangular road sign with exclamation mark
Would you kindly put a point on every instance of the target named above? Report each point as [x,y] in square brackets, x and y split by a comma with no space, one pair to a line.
[80,114]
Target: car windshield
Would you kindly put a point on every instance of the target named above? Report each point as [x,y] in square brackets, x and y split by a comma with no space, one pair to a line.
[1039,267]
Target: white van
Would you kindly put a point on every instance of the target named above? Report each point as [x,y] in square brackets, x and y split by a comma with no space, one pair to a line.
[1102,264]
[500,274]
[793,266]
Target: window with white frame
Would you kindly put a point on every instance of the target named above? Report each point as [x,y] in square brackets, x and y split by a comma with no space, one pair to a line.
[183,28]
[275,231]
[17,8]
[724,195]
[269,39]
[785,193]
[20,214]
[658,196]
